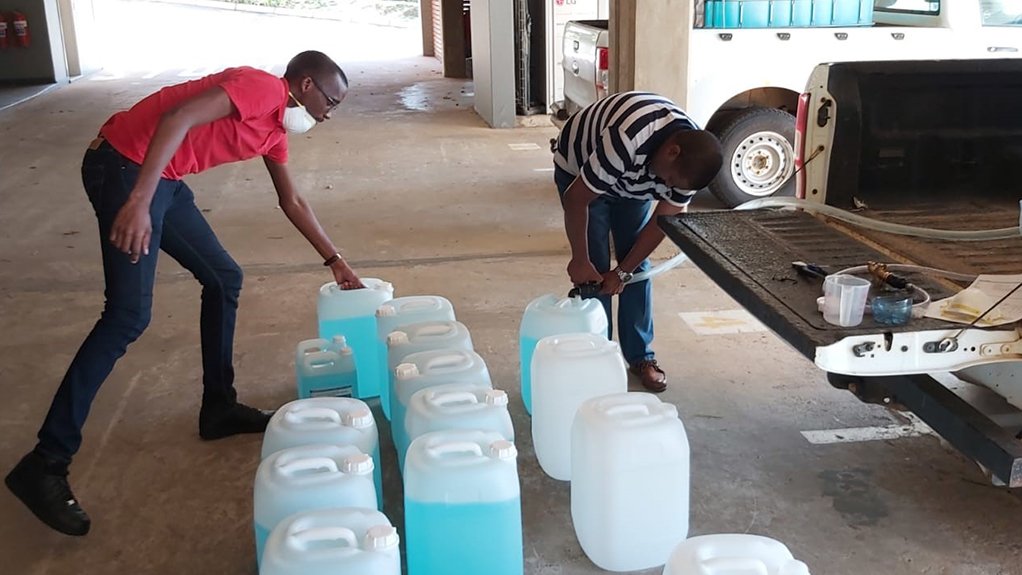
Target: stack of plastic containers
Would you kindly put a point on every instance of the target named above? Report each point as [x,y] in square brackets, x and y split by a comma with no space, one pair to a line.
[309,477]
[458,406]
[397,313]
[463,505]
[787,13]
[552,315]
[326,421]
[426,336]
[428,369]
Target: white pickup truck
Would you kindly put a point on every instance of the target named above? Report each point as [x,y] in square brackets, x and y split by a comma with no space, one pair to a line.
[743,83]
[931,144]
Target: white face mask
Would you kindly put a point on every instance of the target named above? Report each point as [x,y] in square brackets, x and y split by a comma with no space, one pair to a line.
[298,120]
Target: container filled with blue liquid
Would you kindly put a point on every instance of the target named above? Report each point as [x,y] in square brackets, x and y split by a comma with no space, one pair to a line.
[400,312]
[463,510]
[352,314]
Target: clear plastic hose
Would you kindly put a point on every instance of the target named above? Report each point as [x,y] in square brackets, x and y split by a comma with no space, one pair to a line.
[882,226]
[658,269]
[846,216]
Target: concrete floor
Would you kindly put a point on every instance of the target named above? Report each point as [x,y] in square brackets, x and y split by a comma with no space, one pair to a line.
[414,187]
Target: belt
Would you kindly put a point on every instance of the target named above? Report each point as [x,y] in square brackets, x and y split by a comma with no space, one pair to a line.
[95,144]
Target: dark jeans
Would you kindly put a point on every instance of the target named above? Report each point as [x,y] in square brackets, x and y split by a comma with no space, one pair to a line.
[622,219]
[180,230]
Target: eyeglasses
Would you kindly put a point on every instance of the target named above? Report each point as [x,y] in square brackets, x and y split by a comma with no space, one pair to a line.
[333,102]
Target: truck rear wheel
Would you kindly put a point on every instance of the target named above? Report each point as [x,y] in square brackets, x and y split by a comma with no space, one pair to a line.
[759,157]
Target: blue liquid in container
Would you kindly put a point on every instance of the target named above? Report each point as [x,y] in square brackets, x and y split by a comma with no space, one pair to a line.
[527,346]
[802,13]
[261,535]
[360,333]
[477,538]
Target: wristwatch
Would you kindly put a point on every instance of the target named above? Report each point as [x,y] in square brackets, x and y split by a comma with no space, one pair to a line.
[622,275]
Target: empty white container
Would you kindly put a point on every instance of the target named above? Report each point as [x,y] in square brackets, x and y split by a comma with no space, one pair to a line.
[733,554]
[567,370]
[553,315]
[337,541]
[398,313]
[629,480]
[429,369]
[458,406]
[309,477]
[352,313]
[325,368]
[463,510]
[326,420]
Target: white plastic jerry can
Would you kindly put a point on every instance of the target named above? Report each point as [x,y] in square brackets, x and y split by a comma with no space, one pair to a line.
[336,541]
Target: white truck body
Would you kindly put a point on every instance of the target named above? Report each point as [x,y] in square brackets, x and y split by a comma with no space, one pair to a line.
[743,83]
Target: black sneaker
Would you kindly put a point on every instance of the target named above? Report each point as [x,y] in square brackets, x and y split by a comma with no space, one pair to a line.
[238,418]
[42,486]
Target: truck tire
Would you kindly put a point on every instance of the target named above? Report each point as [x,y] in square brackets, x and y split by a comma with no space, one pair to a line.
[759,157]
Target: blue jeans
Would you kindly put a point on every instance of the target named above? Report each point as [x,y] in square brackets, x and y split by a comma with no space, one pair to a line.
[180,230]
[621,219]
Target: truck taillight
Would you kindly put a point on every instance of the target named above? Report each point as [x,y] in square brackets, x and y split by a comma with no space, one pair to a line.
[602,59]
[801,124]
[602,79]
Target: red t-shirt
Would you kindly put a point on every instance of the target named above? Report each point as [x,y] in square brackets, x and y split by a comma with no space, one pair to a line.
[256,129]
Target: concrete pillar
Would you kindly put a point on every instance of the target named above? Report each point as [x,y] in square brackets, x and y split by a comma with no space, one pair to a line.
[426,19]
[454,39]
[661,47]
[81,36]
[493,61]
[622,45]
[647,46]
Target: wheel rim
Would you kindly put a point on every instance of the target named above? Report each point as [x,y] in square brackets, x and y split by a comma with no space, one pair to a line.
[762,163]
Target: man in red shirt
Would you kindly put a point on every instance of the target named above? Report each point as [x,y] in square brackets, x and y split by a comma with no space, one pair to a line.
[132,175]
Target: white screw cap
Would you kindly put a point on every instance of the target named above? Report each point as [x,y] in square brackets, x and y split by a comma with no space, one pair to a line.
[386,310]
[406,371]
[497,397]
[360,464]
[397,338]
[340,341]
[359,419]
[503,450]
[380,537]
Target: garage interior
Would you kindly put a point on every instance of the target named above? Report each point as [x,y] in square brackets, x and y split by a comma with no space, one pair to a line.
[413,180]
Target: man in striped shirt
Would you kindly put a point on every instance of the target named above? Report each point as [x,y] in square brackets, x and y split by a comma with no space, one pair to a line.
[613,161]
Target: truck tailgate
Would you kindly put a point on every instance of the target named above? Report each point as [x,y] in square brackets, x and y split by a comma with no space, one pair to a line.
[749,255]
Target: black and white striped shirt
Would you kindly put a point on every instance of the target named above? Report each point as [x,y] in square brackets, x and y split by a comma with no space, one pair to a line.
[610,144]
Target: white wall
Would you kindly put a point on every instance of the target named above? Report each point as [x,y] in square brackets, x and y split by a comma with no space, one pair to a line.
[493,61]
[78,24]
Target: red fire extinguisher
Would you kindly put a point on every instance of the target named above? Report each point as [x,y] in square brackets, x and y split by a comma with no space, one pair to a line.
[4,41]
[21,35]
